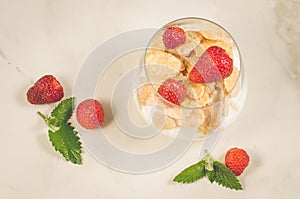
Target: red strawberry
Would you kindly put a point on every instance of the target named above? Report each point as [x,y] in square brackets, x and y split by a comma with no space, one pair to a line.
[213,65]
[173,37]
[173,91]
[46,90]
[90,114]
[237,160]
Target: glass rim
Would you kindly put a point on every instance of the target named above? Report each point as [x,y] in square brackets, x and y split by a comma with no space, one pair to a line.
[200,107]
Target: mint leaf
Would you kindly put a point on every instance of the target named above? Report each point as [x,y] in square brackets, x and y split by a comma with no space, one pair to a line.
[66,141]
[224,176]
[62,113]
[211,175]
[192,173]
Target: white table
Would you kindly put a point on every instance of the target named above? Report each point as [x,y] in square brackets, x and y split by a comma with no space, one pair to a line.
[40,37]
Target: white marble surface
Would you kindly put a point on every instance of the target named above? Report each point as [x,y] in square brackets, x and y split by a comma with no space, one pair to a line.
[55,36]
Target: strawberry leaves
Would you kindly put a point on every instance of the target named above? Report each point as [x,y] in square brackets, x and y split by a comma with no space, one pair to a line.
[214,170]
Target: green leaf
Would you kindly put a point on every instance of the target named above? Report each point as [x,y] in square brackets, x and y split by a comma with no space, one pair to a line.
[224,176]
[66,141]
[62,112]
[192,173]
[211,176]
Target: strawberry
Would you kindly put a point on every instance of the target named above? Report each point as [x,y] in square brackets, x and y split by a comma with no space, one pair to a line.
[173,37]
[173,91]
[90,114]
[213,65]
[236,160]
[46,90]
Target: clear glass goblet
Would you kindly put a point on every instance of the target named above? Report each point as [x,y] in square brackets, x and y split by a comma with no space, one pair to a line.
[208,106]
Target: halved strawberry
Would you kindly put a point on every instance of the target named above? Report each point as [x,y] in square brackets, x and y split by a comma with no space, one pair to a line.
[213,65]
[173,91]
[173,37]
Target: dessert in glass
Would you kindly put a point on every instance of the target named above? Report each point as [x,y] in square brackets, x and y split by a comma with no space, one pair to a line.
[192,77]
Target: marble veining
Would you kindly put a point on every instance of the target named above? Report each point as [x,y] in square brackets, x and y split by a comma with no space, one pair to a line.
[288,28]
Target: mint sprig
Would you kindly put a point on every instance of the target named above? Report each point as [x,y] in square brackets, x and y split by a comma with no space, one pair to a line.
[62,135]
[214,170]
